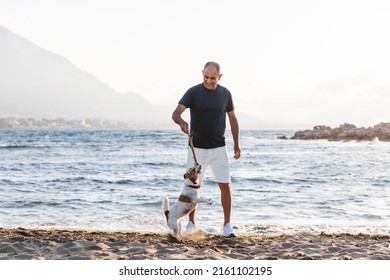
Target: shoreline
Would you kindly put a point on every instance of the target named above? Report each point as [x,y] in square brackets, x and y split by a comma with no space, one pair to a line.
[78,244]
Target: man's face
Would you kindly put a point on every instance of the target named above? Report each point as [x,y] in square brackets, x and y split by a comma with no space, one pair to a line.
[210,77]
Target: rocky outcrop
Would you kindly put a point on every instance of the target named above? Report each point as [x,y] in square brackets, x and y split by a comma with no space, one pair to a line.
[346,132]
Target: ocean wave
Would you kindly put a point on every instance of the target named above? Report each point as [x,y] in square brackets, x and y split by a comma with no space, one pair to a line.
[24,204]
[21,146]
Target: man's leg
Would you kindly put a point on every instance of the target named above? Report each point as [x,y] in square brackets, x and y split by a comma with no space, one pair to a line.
[226,200]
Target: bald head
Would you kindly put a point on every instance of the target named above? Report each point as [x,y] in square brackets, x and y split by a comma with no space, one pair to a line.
[213,64]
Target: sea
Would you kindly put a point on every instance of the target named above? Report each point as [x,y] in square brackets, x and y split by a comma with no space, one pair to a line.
[116,179]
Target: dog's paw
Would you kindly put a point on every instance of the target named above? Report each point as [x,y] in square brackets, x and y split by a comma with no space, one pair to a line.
[209,202]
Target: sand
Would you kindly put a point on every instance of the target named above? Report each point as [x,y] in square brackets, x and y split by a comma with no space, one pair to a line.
[55,244]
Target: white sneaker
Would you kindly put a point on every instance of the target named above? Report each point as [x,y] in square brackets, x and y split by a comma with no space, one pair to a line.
[228,231]
[190,227]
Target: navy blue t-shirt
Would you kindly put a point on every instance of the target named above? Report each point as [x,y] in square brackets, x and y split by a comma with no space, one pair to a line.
[208,110]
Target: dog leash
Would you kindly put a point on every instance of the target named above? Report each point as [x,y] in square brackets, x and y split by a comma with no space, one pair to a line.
[192,148]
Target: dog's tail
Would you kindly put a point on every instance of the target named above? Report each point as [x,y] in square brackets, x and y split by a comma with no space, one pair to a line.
[165,205]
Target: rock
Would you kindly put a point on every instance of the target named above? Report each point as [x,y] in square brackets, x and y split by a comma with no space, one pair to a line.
[346,132]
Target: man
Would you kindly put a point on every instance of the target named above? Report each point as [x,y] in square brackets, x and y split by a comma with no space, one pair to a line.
[209,104]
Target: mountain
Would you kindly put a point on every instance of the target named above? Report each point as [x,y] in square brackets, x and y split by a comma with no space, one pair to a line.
[40,84]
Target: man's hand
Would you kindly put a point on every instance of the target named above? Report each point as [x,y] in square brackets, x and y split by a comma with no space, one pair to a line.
[184,126]
[237,153]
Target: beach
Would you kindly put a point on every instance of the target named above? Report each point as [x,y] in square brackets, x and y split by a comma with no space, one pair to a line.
[65,244]
[96,195]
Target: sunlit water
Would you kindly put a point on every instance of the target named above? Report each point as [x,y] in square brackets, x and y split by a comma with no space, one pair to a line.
[115,180]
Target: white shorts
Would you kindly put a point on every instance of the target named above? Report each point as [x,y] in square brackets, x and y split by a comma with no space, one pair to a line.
[216,158]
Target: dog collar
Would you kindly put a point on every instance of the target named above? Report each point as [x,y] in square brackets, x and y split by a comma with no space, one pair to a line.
[194,187]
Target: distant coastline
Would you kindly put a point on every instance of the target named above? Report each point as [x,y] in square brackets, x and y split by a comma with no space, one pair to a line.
[345,132]
[247,122]
[73,124]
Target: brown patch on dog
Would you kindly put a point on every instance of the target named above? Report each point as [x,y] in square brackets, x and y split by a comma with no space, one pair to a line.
[167,215]
[185,198]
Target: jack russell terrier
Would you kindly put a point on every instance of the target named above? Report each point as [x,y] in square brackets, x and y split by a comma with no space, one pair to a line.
[187,202]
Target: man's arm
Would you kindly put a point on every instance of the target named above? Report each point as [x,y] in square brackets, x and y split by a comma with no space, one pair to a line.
[236,133]
[176,117]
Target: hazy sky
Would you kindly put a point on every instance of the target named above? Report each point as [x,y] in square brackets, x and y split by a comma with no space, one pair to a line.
[312,62]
